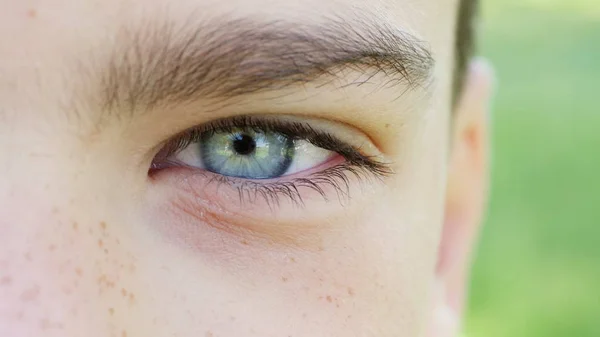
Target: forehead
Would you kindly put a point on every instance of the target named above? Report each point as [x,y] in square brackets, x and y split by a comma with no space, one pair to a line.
[58,24]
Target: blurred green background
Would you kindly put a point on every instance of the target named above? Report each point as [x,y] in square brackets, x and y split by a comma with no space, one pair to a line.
[537,272]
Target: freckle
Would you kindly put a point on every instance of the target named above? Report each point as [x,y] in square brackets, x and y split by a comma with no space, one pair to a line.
[30,294]
[55,210]
[28,256]
[100,243]
[244,242]
[32,13]
[111,311]
[387,125]
[79,272]
[118,242]
[124,292]
[5,281]
[102,279]
[208,334]
[131,298]
[124,333]
[132,267]
[103,225]
[105,251]
[51,248]
[284,279]
[292,259]
[20,315]
[329,299]
[350,291]
[321,249]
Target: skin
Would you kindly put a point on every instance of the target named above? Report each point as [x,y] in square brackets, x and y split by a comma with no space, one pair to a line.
[90,245]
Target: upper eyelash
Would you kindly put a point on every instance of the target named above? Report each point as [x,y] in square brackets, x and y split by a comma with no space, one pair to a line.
[356,164]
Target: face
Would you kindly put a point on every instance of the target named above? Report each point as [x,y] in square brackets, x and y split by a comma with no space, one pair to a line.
[235,168]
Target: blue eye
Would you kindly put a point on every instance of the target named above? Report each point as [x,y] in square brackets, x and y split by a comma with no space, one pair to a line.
[247,153]
[250,153]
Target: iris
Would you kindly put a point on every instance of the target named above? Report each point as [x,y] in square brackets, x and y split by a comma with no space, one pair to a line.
[247,153]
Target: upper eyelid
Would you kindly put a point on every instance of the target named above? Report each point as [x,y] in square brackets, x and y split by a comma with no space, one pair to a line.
[337,133]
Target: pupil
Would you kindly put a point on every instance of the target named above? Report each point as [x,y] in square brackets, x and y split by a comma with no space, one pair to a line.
[244,144]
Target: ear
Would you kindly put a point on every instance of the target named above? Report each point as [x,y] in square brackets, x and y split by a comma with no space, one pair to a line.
[465,200]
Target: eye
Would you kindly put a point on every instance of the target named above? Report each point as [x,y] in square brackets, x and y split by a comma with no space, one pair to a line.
[251,153]
[271,157]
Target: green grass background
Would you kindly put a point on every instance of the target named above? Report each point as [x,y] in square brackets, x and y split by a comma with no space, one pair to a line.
[537,272]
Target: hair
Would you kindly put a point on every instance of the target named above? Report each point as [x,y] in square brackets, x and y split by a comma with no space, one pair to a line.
[465,42]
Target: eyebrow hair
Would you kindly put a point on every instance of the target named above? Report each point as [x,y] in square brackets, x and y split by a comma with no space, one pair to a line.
[222,59]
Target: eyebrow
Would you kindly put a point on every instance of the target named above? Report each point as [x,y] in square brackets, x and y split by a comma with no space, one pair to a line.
[222,59]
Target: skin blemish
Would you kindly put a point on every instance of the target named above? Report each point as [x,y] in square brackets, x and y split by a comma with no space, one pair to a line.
[350,291]
[208,334]
[123,333]
[28,257]
[293,260]
[79,272]
[124,292]
[75,226]
[131,298]
[52,248]
[30,294]
[111,311]
[5,281]
[284,279]
[32,14]
[100,243]
[387,125]
[103,225]
[329,299]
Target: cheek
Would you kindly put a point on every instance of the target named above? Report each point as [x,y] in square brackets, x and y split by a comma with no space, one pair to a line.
[366,271]
[61,275]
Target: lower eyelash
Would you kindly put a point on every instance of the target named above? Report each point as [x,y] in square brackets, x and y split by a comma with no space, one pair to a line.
[337,177]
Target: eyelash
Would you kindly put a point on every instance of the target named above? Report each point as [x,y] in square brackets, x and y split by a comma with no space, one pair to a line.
[356,164]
